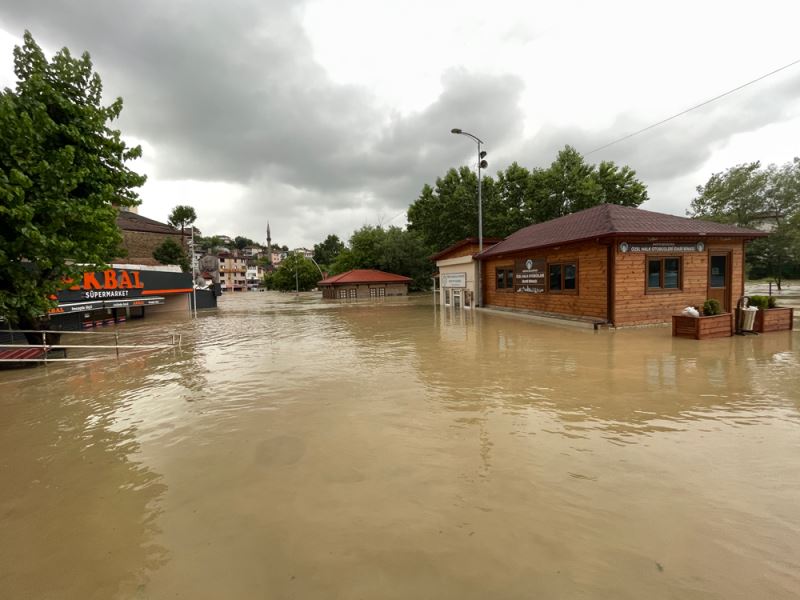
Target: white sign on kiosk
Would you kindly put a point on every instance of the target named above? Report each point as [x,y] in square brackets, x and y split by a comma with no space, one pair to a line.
[454,280]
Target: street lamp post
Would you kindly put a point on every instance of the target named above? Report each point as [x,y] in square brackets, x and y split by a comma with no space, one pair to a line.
[296,280]
[321,274]
[194,280]
[482,164]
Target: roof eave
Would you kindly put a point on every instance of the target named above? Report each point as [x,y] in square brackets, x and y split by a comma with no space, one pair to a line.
[745,235]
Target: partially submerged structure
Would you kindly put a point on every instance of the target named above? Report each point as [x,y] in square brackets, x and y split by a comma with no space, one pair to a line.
[364,283]
[124,292]
[458,271]
[616,265]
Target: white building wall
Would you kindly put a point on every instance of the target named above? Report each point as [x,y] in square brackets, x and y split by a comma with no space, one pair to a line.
[465,293]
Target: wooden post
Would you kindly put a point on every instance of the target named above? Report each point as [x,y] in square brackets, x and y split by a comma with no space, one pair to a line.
[116,343]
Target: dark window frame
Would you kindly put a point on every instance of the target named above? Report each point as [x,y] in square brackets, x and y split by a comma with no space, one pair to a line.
[508,273]
[661,276]
[562,264]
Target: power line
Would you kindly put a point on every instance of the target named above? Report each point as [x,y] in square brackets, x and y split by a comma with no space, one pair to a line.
[402,212]
[696,106]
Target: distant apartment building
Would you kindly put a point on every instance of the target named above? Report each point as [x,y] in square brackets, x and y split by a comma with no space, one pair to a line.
[232,271]
[252,251]
[254,275]
[276,256]
[304,252]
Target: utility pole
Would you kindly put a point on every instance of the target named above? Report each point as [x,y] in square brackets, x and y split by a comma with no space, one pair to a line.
[194,282]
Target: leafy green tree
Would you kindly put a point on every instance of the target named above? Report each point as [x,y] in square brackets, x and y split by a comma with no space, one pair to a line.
[63,174]
[326,252]
[393,250]
[737,196]
[448,212]
[776,256]
[170,252]
[512,211]
[181,216]
[283,278]
[619,185]
[242,242]
[567,186]
[570,185]
[768,198]
[211,242]
[404,252]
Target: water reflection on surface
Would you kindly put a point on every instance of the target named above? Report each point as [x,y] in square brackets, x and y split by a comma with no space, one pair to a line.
[303,448]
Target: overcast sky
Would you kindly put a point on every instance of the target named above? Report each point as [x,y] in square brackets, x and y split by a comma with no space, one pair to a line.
[325,115]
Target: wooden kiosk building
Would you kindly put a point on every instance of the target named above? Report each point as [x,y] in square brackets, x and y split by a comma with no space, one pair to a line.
[616,265]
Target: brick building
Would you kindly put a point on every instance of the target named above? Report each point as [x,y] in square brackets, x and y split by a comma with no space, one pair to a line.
[141,236]
[616,265]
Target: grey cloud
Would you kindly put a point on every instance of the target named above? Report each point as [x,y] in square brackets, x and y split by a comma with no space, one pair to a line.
[231,93]
[224,93]
[679,146]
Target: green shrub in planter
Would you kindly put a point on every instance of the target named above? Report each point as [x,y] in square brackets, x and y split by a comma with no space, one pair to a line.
[760,302]
[711,307]
[773,302]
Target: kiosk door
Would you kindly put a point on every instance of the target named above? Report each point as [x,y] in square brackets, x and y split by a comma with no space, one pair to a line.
[456,298]
[719,279]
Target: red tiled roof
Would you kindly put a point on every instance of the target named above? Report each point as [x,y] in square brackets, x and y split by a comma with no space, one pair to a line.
[611,219]
[487,241]
[364,276]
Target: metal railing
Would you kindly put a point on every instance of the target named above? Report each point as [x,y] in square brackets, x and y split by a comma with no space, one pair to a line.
[175,341]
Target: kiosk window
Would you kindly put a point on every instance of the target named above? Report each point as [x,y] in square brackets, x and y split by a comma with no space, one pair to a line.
[504,279]
[664,273]
[562,277]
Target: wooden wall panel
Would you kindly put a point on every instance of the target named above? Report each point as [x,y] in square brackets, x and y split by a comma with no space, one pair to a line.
[589,301]
[635,306]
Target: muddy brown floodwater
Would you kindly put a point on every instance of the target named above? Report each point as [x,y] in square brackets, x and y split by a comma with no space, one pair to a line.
[300,448]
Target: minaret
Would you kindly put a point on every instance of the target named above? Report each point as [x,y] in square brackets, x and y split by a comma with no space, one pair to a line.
[269,239]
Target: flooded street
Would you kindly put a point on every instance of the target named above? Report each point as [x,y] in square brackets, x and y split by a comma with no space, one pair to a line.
[300,448]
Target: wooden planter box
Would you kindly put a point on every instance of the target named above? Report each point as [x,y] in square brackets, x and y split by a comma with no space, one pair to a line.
[701,328]
[774,319]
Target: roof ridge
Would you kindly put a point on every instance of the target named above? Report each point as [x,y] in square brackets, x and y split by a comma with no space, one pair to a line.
[609,219]
[611,222]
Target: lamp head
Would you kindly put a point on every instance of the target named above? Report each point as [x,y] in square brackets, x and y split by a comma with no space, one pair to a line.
[455,130]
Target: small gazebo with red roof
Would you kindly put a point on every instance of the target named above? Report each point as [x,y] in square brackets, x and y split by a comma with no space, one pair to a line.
[364,283]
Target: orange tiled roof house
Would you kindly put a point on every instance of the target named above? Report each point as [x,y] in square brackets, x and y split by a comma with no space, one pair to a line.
[364,283]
